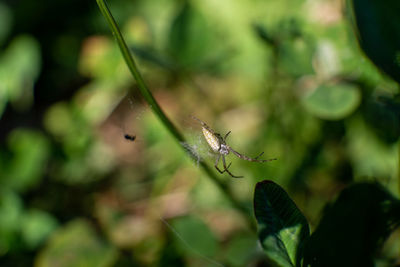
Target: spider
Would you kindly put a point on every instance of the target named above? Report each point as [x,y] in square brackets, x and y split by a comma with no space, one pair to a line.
[218,145]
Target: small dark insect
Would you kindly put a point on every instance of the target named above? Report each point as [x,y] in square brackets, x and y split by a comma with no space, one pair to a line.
[130,137]
[218,145]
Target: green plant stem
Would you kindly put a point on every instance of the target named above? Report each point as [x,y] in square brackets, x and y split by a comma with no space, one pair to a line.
[144,90]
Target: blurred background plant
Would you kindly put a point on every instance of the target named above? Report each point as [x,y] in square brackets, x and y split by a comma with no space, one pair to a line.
[286,77]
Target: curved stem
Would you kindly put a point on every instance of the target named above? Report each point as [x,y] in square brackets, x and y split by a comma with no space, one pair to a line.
[144,90]
[398,167]
[147,95]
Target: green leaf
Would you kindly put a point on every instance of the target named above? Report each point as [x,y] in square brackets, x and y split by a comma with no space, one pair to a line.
[333,102]
[378,26]
[76,244]
[282,227]
[354,227]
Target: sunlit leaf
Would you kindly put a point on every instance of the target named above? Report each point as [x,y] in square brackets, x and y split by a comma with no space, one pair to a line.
[282,228]
[333,102]
[76,244]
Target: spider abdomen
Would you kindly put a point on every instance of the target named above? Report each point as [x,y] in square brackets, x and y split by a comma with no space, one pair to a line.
[219,146]
[212,139]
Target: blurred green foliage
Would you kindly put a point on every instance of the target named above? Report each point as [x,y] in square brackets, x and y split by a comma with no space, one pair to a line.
[286,77]
[26,162]
[20,67]
[333,102]
[76,245]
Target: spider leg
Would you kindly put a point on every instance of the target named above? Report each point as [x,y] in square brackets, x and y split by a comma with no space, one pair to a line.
[259,155]
[216,164]
[226,135]
[226,168]
[250,159]
[230,163]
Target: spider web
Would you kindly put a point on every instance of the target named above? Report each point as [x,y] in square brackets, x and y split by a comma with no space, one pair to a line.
[128,113]
[196,146]
[134,112]
[179,236]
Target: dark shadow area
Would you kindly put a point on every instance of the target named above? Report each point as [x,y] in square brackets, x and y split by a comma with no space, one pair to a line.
[354,227]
